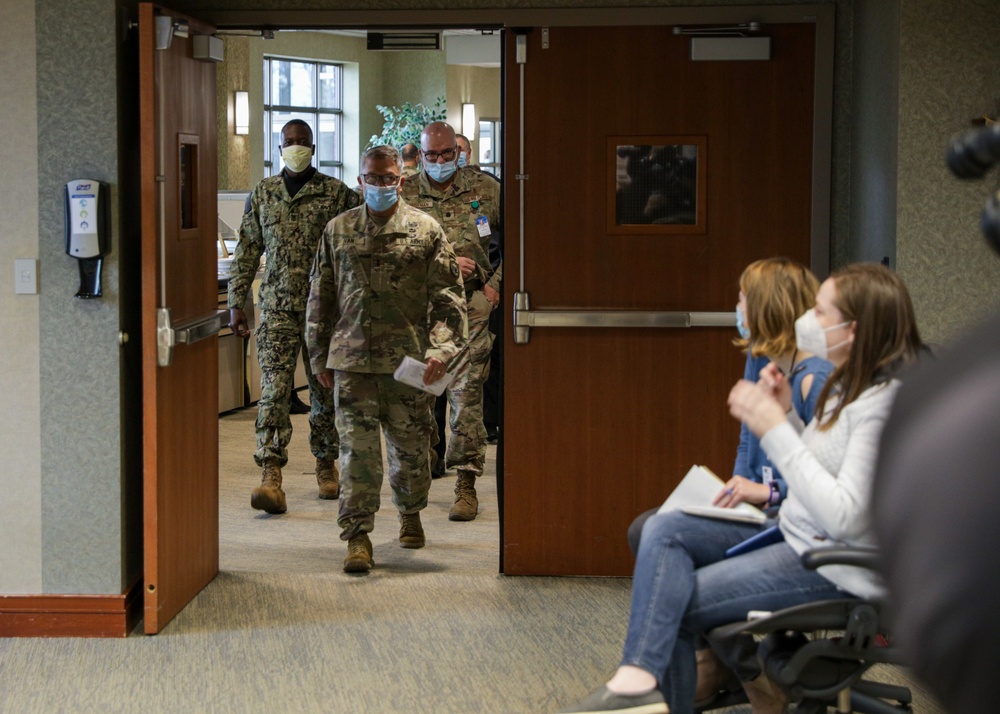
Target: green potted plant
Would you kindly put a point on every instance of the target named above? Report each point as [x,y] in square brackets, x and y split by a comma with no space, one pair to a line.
[404,124]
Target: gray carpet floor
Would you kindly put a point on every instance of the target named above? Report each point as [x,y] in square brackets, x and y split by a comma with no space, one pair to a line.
[283,629]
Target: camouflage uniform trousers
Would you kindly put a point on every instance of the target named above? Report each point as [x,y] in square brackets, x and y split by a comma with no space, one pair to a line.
[280,337]
[467,446]
[365,402]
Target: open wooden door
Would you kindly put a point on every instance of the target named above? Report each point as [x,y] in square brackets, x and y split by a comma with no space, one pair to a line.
[650,181]
[180,317]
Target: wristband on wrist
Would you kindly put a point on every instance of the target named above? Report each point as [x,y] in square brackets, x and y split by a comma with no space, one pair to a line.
[775,496]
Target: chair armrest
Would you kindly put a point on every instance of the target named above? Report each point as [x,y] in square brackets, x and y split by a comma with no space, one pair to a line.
[857,556]
[819,615]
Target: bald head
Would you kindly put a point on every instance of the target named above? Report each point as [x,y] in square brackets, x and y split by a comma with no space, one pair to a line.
[437,133]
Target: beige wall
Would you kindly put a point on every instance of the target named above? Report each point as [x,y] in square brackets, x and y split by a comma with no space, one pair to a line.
[949,72]
[234,150]
[20,421]
[417,77]
[478,85]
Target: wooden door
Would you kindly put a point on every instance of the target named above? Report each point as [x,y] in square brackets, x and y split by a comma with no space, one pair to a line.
[602,422]
[180,385]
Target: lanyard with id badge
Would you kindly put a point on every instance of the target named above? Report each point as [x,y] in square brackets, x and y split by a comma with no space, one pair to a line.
[482,222]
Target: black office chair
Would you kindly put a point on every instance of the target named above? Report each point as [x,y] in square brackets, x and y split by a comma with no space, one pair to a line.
[826,670]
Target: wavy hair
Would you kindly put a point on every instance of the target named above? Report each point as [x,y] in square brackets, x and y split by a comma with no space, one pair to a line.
[778,291]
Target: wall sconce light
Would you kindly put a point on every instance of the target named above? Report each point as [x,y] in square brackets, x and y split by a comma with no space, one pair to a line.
[242,112]
[469,121]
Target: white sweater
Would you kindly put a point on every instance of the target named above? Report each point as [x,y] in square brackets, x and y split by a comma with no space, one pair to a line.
[829,475]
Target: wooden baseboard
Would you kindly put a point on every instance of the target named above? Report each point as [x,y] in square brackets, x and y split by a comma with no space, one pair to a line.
[71,615]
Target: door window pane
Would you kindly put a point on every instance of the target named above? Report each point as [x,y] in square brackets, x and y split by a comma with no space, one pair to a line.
[656,184]
[329,86]
[328,142]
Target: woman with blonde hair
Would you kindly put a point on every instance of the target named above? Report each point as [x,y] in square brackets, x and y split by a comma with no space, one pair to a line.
[773,292]
[863,323]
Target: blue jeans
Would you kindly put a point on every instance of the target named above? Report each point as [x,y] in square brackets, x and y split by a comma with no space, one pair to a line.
[682,587]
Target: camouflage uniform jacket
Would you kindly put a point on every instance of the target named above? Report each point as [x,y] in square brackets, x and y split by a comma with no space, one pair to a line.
[471,196]
[288,229]
[379,294]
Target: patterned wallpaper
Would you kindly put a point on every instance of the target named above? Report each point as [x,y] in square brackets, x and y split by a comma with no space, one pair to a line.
[949,73]
[81,475]
[20,420]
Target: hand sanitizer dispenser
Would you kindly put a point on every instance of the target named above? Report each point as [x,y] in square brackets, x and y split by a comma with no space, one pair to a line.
[88,230]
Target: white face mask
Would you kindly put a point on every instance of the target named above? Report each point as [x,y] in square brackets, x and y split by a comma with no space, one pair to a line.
[297,158]
[810,336]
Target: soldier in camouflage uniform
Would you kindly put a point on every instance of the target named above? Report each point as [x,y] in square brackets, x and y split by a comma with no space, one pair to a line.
[285,218]
[467,205]
[385,285]
[411,157]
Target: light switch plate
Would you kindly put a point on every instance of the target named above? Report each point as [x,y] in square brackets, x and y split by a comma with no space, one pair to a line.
[26,276]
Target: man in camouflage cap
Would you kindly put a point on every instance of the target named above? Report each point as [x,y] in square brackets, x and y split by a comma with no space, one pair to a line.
[285,218]
[385,285]
[467,205]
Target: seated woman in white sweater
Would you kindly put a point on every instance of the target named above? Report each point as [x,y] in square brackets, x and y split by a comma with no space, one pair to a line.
[863,323]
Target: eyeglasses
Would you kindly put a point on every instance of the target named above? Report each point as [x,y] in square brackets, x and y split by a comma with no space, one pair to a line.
[447,155]
[376,180]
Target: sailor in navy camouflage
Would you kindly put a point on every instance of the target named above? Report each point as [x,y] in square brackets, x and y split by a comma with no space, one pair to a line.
[285,219]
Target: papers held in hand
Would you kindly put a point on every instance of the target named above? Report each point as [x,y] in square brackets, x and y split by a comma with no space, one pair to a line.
[411,372]
[694,495]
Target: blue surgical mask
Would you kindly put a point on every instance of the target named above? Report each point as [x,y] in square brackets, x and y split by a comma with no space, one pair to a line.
[463,160]
[441,172]
[381,198]
[741,323]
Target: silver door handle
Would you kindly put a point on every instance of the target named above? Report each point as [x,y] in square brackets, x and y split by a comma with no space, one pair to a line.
[525,318]
[185,333]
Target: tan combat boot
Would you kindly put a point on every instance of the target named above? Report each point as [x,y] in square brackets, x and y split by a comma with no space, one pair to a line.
[411,533]
[269,496]
[359,554]
[764,696]
[466,504]
[328,479]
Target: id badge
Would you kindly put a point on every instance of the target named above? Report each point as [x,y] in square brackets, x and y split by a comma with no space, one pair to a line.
[483,226]
[768,473]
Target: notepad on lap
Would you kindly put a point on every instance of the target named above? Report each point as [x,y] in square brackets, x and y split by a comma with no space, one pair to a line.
[694,495]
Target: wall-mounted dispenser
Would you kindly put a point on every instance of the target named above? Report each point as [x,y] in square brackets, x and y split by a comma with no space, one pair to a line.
[88,230]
